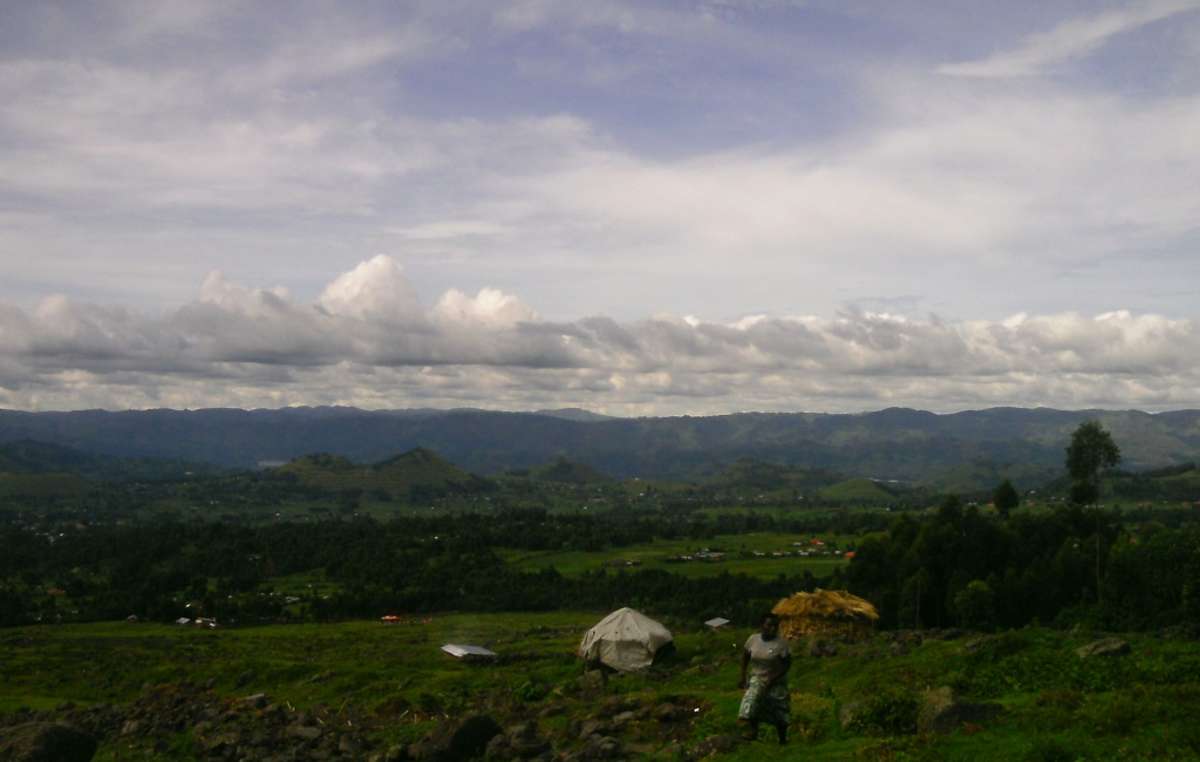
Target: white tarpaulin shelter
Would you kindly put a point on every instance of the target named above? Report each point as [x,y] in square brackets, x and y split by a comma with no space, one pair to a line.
[460,651]
[625,640]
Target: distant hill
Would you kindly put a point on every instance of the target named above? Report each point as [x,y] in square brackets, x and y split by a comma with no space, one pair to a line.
[858,490]
[574,414]
[749,473]
[568,472]
[413,474]
[969,450]
[28,457]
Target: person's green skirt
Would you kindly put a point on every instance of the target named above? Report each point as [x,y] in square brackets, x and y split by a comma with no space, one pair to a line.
[766,704]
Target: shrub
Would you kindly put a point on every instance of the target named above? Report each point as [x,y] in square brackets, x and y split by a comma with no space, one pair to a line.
[889,712]
[813,717]
[1112,714]
[1049,749]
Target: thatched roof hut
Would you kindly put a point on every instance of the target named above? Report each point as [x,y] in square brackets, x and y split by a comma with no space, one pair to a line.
[825,613]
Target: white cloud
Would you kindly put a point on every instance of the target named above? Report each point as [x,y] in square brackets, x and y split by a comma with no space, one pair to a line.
[490,307]
[1072,39]
[368,342]
[375,290]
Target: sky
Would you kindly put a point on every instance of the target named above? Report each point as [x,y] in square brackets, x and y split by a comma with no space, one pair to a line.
[638,208]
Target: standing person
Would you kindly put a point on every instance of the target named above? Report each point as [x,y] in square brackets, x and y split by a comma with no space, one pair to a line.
[768,658]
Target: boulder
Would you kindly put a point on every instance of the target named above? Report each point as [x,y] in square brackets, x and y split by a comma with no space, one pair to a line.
[525,742]
[722,744]
[941,712]
[304,732]
[1103,647]
[46,742]
[624,718]
[592,727]
[470,739]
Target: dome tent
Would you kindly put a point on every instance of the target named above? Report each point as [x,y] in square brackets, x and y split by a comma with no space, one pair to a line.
[625,640]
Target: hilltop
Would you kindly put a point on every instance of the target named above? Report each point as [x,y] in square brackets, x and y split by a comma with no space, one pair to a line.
[416,474]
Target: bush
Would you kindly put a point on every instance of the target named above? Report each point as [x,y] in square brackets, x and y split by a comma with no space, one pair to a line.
[1049,749]
[887,713]
[1112,714]
[812,716]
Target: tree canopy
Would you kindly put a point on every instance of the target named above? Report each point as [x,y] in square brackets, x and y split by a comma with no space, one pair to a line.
[1092,452]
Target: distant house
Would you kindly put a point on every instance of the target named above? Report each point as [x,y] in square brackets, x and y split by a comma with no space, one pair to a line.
[390,619]
[182,621]
[716,623]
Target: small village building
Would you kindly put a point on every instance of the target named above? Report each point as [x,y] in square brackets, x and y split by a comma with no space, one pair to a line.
[825,613]
[390,619]
[468,652]
[716,623]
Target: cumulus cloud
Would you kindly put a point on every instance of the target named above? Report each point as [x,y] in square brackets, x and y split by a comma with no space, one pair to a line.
[376,289]
[368,341]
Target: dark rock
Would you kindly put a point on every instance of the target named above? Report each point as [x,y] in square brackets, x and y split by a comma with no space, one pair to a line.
[667,713]
[722,744]
[592,682]
[624,718]
[498,749]
[591,728]
[257,700]
[46,742]
[940,712]
[1103,647]
[471,738]
[818,648]
[468,740]
[614,705]
[244,678]
[304,732]
[525,742]
[396,753]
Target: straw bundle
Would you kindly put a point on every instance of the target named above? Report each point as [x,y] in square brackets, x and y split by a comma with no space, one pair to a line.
[834,613]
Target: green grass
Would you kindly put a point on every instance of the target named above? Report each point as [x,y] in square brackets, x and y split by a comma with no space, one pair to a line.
[1140,706]
[738,559]
[859,490]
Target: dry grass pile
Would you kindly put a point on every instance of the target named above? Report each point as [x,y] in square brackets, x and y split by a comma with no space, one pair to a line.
[834,613]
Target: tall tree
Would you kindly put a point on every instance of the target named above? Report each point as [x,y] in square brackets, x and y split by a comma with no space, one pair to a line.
[1005,498]
[1092,452]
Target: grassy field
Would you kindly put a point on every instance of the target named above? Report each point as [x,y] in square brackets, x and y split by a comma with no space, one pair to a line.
[738,556]
[1056,705]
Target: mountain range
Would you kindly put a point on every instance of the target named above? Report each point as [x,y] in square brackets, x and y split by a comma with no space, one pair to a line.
[966,450]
